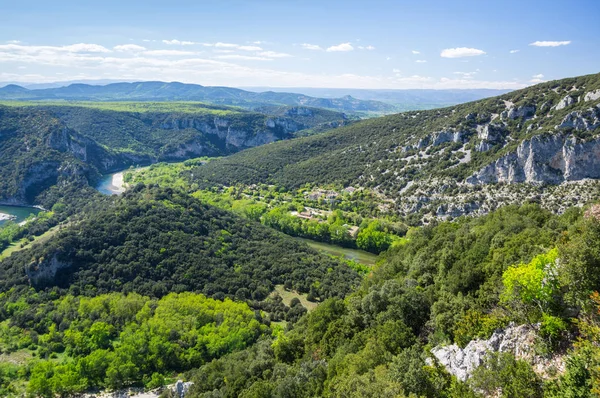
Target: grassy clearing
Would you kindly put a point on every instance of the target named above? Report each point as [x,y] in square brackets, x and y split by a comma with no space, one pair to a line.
[287,297]
[25,244]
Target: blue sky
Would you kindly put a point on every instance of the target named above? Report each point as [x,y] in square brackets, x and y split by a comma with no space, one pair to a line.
[285,43]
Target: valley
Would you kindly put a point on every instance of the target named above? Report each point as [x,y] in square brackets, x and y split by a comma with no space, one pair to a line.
[292,251]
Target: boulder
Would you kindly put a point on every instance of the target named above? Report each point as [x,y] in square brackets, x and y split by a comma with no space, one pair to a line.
[563,103]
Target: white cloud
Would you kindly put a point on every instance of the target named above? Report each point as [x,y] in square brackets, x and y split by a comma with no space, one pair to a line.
[368,48]
[307,46]
[396,70]
[73,48]
[514,51]
[460,52]
[128,48]
[466,75]
[539,78]
[86,48]
[167,53]
[13,41]
[176,42]
[416,52]
[226,45]
[340,47]
[249,48]
[421,61]
[50,63]
[243,57]
[550,43]
[273,54]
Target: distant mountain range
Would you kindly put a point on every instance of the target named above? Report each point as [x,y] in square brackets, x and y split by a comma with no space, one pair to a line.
[160,91]
[344,99]
[405,100]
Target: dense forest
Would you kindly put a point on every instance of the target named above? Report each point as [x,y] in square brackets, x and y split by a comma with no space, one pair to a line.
[452,282]
[154,241]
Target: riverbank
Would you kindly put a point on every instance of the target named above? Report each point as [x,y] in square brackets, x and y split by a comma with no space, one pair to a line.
[16,213]
[6,217]
[112,184]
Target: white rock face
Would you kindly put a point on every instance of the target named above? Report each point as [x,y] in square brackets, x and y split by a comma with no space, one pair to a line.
[566,101]
[582,121]
[592,96]
[522,112]
[461,362]
[544,159]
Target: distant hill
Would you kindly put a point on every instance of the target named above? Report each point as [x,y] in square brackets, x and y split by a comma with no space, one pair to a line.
[540,143]
[161,91]
[404,100]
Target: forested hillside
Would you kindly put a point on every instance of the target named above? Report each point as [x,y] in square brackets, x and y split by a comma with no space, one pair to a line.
[153,241]
[41,145]
[467,159]
[453,282]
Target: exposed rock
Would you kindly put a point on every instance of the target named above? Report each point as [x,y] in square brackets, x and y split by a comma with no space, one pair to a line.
[490,135]
[44,269]
[522,112]
[516,340]
[592,95]
[442,137]
[593,212]
[566,101]
[545,106]
[544,159]
[582,121]
[181,388]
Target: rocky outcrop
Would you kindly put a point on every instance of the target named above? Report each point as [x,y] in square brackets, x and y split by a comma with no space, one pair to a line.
[235,135]
[490,135]
[521,112]
[592,96]
[181,388]
[515,340]
[582,120]
[565,102]
[544,159]
[45,269]
[441,137]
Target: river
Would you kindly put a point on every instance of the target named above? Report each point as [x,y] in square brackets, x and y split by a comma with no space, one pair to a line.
[360,256]
[112,184]
[18,213]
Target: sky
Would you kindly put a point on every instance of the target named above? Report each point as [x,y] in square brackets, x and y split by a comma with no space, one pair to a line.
[372,44]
